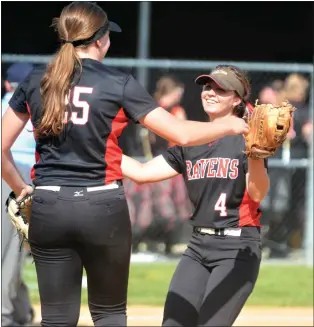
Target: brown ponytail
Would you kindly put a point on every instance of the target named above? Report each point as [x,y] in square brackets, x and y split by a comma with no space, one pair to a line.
[55,87]
[78,21]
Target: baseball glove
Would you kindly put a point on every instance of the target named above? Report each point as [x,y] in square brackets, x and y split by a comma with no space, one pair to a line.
[268,128]
[20,213]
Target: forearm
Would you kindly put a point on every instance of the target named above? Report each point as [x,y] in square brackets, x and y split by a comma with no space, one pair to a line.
[132,169]
[189,133]
[10,174]
[154,170]
[257,180]
[197,133]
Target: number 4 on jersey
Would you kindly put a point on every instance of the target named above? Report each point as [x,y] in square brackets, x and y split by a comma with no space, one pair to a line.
[77,91]
[221,205]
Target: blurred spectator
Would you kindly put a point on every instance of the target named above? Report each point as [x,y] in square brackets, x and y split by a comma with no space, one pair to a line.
[296,90]
[16,306]
[161,208]
[169,92]
[286,228]
[270,93]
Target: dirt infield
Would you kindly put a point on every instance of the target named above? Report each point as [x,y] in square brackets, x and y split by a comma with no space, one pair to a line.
[250,316]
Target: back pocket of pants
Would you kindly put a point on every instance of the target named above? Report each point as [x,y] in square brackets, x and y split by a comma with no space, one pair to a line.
[44,197]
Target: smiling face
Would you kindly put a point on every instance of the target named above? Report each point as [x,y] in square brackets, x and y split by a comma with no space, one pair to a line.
[218,102]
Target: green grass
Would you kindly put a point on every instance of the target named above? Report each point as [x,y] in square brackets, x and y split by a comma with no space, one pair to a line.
[277,285]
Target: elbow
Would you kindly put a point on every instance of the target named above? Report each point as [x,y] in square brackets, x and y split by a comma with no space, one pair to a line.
[258,194]
[5,147]
[5,152]
[138,181]
[181,140]
[136,173]
[257,197]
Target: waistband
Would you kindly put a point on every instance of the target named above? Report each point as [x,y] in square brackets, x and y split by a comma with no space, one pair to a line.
[250,232]
[219,231]
[113,185]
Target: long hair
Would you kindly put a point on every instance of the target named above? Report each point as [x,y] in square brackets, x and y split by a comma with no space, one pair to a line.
[239,110]
[78,21]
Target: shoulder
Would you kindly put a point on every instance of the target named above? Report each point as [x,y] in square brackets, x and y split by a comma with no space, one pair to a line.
[108,71]
[34,78]
[114,71]
[37,72]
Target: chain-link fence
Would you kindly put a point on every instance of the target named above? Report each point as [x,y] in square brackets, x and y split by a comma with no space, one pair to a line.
[159,212]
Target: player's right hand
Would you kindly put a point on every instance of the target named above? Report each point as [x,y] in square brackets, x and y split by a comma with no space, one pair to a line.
[237,125]
[28,189]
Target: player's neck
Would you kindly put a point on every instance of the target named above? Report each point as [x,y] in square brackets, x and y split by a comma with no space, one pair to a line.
[88,55]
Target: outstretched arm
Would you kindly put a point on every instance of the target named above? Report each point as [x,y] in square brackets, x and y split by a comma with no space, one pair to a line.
[257,180]
[188,133]
[154,170]
[141,107]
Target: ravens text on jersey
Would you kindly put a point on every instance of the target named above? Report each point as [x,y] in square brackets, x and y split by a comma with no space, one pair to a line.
[215,176]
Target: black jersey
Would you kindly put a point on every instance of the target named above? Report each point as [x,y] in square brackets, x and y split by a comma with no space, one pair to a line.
[215,175]
[87,153]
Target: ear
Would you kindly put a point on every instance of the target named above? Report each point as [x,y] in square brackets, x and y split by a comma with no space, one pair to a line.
[98,43]
[236,101]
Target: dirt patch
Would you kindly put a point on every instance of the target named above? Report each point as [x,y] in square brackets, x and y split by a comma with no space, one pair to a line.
[250,316]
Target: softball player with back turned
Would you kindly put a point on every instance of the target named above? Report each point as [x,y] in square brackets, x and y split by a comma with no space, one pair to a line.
[80,218]
[219,268]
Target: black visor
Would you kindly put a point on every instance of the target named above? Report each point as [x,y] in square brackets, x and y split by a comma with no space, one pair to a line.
[109,26]
[114,27]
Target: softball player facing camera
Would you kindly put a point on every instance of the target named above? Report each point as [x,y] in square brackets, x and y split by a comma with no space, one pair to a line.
[218,270]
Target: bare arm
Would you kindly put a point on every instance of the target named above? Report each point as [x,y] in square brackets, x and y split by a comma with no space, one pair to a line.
[12,125]
[154,170]
[257,180]
[188,133]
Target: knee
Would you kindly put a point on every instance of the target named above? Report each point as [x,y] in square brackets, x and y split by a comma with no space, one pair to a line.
[179,311]
[108,315]
[60,320]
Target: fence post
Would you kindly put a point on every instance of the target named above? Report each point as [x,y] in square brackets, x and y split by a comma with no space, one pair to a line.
[143,40]
[308,241]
